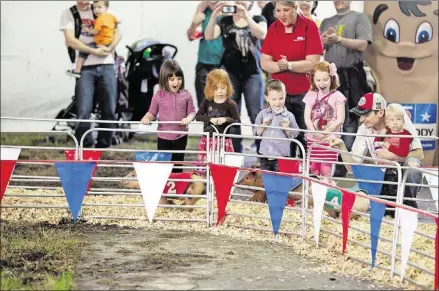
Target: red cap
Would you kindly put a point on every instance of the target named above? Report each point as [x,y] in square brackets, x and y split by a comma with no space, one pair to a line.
[369,102]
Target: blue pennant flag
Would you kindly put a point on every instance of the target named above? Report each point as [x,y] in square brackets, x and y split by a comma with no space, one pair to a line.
[277,188]
[377,211]
[371,174]
[75,177]
[151,156]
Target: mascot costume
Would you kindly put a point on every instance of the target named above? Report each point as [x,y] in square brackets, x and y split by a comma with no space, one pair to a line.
[404,62]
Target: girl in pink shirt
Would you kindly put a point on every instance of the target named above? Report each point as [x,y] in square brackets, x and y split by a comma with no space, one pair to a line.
[324,111]
[171,103]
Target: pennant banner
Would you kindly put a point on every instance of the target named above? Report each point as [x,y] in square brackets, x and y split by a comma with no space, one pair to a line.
[234,161]
[347,202]
[177,187]
[153,157]
[377,211]
[432,180]
[291,167]
[152,178]
[75,177]
[7,167]
[222,177]
[408,223]
[88,155]
[371,174]
[10,154]
[319,198]
[277,188]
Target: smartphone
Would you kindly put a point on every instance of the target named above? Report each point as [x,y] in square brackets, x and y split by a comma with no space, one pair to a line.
[229,9]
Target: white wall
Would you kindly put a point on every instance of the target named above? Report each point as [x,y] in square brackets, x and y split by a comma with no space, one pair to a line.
[34,57]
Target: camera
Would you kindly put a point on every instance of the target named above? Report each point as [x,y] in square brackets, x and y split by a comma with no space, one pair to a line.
[229,9]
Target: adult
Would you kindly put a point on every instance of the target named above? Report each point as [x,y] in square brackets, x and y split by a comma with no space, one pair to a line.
[346,36]
[242,34]
[308,9]
[98,74]
[267,10]
[291,48]
[371,112]
[209,51]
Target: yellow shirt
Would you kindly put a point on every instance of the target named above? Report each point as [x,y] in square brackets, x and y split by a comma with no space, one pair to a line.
[105,24]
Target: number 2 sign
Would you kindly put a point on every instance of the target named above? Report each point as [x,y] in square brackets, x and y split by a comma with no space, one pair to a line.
[177,187]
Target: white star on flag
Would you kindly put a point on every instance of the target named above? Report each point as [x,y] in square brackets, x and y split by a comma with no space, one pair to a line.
[426,116]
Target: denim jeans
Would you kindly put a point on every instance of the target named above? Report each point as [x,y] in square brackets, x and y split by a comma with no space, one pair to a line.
[253,89]
[100,79]
[295,105]
[413,177]
[201,71]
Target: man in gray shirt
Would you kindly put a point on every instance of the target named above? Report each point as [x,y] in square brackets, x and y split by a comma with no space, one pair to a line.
[346,36]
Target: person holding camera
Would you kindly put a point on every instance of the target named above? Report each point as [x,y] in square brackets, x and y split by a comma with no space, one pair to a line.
[209,52]
[241,34]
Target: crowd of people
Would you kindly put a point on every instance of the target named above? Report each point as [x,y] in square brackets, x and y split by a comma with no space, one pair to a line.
[293,70]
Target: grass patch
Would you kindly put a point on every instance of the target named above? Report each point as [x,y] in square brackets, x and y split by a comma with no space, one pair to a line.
[39,257]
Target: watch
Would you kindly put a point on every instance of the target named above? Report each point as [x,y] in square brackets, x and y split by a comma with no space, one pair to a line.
[290,66]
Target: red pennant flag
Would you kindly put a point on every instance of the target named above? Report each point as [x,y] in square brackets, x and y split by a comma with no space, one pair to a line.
[347,202]
[223,177]
[7,167]
[86,155]
[436,272]
[290,167]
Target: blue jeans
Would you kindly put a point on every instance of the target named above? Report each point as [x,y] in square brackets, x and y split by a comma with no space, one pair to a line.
[253,89]
[99,79]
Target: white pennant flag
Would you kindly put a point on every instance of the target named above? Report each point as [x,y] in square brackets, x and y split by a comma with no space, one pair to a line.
[408,222]
[319,197]
[152,178]
[11,154]
[432,180]
[234,161]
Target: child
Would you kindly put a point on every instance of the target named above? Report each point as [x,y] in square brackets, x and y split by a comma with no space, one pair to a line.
[217,109]
[171,103]
[394,126]
[275,115]
[103,30]
[324,111]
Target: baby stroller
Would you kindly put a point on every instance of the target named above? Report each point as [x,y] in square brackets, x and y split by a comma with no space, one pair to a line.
[145,57]
[122,109]
[143,63]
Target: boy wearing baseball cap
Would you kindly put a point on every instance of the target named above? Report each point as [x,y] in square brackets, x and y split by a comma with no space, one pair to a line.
[371,110]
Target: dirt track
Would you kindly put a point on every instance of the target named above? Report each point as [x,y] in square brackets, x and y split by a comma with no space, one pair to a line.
[155,259]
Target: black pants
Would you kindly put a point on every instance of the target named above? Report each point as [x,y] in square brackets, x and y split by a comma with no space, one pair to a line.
[173,145]
[269,165]
[296,106]
[201,71]
[353,85]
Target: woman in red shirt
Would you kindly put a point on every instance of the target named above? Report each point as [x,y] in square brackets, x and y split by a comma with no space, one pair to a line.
[291,48]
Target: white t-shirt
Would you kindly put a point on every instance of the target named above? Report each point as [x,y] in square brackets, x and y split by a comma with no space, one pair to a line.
[68,23]
[364,144]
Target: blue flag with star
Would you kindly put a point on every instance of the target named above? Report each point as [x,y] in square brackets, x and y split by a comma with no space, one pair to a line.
[277,188]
